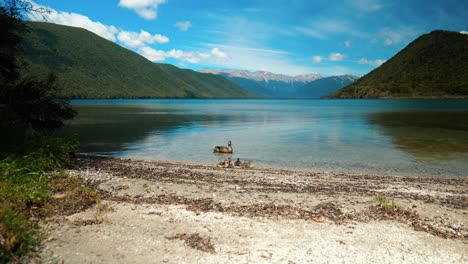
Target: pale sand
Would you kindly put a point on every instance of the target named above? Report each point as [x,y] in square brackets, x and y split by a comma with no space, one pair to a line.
[259,216]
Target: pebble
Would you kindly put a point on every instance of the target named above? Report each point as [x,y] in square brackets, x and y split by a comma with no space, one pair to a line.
[154,212]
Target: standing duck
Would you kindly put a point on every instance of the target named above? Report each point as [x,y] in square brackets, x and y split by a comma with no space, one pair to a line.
[238,163]
[223,149]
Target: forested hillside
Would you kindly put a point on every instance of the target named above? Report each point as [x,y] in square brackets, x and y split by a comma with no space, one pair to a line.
[434,65]
[88,66]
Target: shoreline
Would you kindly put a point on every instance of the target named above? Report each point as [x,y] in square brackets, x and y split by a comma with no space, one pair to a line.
[280,167]
[200,210]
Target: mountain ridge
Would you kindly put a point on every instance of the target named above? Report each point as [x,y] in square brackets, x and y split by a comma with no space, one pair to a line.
[89,66]
[264,75]
[325,85]
[435,65]
[272,85]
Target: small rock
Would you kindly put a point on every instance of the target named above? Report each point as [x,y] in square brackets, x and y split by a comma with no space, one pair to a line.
[154,212]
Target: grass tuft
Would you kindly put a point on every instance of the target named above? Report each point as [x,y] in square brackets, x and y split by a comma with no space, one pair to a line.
[385,204]
[17,234]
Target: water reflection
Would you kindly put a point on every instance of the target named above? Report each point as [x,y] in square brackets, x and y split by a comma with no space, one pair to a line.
[384,136]
[108,129]
[425,133]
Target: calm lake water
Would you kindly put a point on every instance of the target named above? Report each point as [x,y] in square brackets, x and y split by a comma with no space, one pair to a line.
[402,137]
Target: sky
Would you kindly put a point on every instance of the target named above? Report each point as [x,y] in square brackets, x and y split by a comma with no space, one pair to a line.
[290,37]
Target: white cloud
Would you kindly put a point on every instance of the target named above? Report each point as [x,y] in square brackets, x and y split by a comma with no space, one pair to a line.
[218,54]
[252,51]
[347,43]
[396,36]
[129,39]
[183,25]
[138,40]
[152,54]
[315,33]
[464,32]
[367,5]
[184,56]
[317,59]
[322,28]
[177,54]
[204,56]
[371,62]
[148,9]
[336,56]
[191,57]
[257,58]
[333,26]
[76,20]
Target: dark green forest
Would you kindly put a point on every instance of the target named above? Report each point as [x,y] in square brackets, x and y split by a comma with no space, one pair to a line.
[88,66]
[433,65]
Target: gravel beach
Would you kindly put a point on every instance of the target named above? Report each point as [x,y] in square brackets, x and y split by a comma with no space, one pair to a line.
[169,212]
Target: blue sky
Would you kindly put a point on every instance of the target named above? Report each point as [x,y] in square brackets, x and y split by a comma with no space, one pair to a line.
[282,36]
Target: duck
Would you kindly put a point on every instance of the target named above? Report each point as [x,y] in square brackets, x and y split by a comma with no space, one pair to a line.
[238,163]
[223,164]
[223,149]
[230,165]
[248,165]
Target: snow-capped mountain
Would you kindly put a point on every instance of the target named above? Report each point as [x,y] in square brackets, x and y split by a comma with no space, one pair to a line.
[264,76]
[272,85]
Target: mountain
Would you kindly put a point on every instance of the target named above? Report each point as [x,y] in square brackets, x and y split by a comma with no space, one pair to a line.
[325,86]
[264,75]
[271,85]
[266,84]
[88,66]
[433,65]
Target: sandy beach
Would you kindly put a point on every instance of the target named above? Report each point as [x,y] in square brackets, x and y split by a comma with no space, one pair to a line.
[169,212]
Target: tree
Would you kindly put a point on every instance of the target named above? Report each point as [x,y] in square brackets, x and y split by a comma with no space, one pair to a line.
[25,104]
[10,29]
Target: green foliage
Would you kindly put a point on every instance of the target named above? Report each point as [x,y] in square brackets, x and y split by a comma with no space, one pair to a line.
[434,65]
[9,30]
[89,66]
[385,204]
[30,104]
[17,234]
[27,156]
[24,190]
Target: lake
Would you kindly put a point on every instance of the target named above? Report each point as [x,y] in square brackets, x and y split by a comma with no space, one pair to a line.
[402,137]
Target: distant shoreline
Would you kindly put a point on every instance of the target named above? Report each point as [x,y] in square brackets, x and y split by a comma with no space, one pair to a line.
[262,98]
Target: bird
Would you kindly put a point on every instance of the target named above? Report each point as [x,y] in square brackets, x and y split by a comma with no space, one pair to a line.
[223,149]
[230,165]
[238,163]
[223,164]
[248,165]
